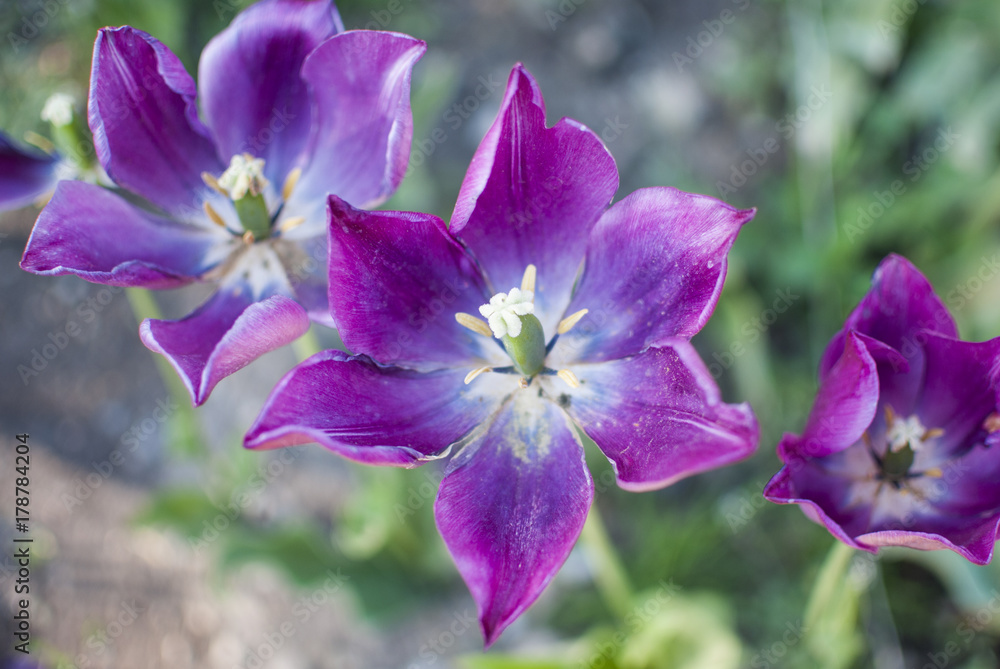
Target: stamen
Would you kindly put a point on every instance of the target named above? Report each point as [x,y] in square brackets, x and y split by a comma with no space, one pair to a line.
[43,143]
[474,324]
[248,238]
[213,214]
[58,109]
[934,472]
[569,377]
[244,175]
[528,280]
[291,223]
[523,383]
[504,310]
[566,324]
[290,182]
[474,373]
[933,433]
[213,183]
[992,423]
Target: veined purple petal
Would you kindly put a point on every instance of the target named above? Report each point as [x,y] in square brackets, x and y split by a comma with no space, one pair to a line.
[224,335]
[960,389]
[531,196]
[900,303]
[971,537]
[658,416]
[845,405]
[253,95]
[145,121]
[512,505]
[656,262]
[396,281]
[369,413]
[90,232]
[24,175]
[362,128]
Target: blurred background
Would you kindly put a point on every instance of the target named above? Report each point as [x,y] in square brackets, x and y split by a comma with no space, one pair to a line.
[856,128]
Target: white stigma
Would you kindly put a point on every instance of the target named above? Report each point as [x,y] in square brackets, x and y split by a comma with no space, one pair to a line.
[245,174]
[504,310]
[58,109]
[906,432]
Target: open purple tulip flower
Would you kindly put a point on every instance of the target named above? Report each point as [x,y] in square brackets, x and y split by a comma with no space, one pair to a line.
[586,312]
[901,446]
[293,109]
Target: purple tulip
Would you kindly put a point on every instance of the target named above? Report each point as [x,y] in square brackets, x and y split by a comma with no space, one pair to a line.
[589,335]
[293,109]
[899,447]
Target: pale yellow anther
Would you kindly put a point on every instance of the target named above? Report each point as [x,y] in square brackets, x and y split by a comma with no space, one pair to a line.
[291,223]
[523,383]
[212,214]
[474,373]
[248,238]
[933,433]
[213,183]
[476,325]
[934,472]
[43,143]
[569,377]
[528,280]
[290,182]
[566,324]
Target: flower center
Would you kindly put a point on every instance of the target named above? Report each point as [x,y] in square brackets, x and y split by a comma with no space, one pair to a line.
[511,319]
[905,437]
[244,184]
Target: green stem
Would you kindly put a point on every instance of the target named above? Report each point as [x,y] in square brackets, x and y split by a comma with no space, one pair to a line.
[186,437]
[609,574]
[829,582]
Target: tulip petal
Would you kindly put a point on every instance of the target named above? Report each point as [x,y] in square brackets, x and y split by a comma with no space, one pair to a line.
[531,196]
[396,282]
[512,505]
[656,262]
[658,416]
[360,142]
[145,122]
[252,93]
[370,413]
[900,303]
[224,335]
[90,232]
[24,175]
